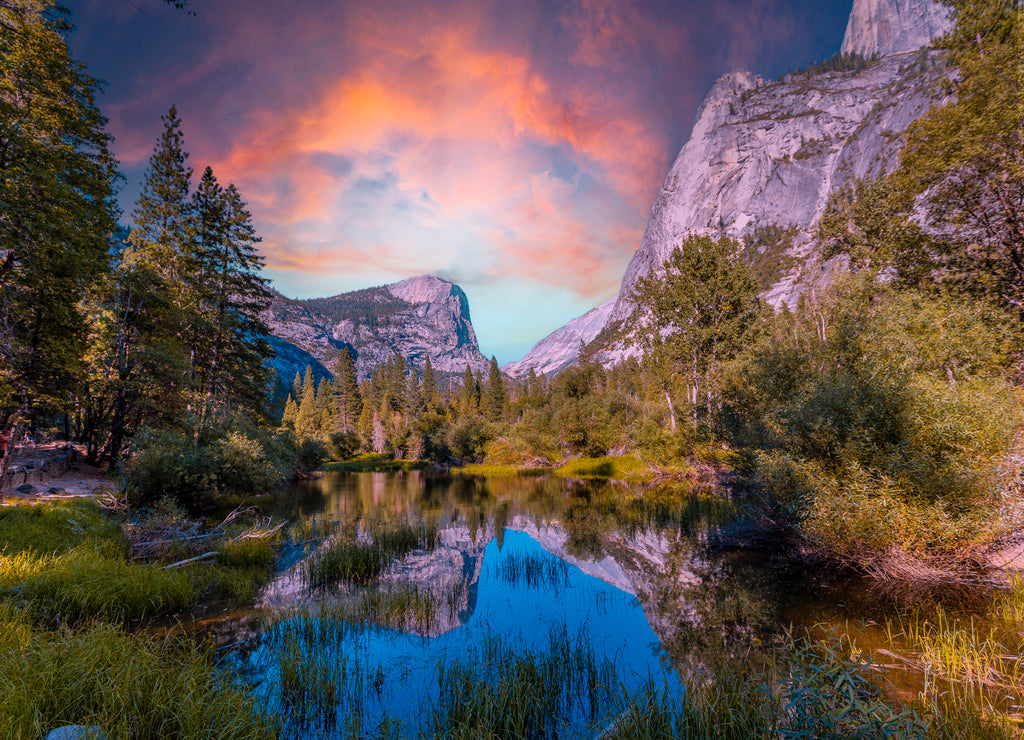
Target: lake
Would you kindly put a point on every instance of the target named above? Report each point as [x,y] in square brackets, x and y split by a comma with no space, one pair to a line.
[407,603]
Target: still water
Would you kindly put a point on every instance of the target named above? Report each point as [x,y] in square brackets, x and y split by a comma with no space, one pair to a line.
[594,588]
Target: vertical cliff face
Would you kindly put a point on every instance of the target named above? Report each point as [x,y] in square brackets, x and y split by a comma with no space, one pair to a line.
[880,28]
[769,153]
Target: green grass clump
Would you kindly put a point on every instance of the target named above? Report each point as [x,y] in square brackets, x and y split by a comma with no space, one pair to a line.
[90,581]
[372,462]
[132,686]
[344,561]
[534,570]
[499,692]
[54,527]
[620,467]
[498,471]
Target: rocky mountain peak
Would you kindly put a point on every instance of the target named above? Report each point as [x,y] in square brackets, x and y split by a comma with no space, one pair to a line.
[884,27]
[419,318]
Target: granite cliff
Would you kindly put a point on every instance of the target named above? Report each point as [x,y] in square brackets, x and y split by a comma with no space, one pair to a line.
[764,156]
[419,318]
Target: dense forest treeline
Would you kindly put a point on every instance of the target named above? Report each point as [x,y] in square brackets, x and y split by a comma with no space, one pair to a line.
[888,402]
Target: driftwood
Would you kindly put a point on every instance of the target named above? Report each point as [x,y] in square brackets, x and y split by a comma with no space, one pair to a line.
[181,537]
[204,556]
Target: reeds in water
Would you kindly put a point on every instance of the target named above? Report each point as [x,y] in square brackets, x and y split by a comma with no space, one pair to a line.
[533,570]
[354,562]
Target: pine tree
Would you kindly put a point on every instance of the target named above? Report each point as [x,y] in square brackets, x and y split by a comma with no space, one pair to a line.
[307,421]
[162,215]
[57,209]
[495,395]
[291,412]
[429,392]
[467,397]
[229,344]
[297,385]
[348,403]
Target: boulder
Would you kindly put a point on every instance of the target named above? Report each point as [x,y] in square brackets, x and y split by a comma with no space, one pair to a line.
[76,732]
[26,488]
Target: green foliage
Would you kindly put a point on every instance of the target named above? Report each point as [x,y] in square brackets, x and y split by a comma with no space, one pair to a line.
[625,467]
[838,62]
[371,307]
[765,253]
[702,305]
[130,685]
[882,420]
[965,159]
[229,463]
[57,208]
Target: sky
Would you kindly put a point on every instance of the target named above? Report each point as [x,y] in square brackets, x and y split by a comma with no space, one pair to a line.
[512,147]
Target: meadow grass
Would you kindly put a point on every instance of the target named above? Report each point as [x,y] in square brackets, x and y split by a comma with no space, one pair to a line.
[499,471]
[620,467]
[132,686]
[373,462]
[68,562]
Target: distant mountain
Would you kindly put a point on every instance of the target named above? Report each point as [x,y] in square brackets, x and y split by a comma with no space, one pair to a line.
[764,156]
[558,350]
[420,317]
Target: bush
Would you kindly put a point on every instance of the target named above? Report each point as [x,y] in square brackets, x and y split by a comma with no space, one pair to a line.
[170,464]
[883,437]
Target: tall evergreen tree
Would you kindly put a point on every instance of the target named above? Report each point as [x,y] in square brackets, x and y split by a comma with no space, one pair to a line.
[57,210]
[495,395]
[429,391]
[348,403]
[162,215]
[467,396]
[230,341]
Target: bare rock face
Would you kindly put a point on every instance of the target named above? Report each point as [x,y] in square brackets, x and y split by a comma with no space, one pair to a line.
[419,318]
[769,153]
[885,27]
[559,349]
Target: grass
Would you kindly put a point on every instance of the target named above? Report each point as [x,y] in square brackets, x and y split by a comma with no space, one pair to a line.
[68,563]
[345,561]
[129,685]
[499,692]
[533,570]
[499,471]
[620,467]
[373,462]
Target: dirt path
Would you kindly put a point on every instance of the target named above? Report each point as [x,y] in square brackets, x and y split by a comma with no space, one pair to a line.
[78,480]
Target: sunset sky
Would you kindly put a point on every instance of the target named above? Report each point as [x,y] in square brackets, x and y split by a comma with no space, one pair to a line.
[513,147]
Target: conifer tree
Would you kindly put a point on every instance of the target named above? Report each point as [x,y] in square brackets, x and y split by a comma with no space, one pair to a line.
[495,395]
[467,397]
[307,421]
[348,404]
[162,215]
[57,209]
[291,412]
[429,392]
[229,346]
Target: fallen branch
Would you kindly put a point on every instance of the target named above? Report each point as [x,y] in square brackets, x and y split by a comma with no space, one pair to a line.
[204,556]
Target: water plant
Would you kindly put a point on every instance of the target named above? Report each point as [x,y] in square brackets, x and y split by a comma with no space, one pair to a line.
[533,570]
[346,561]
